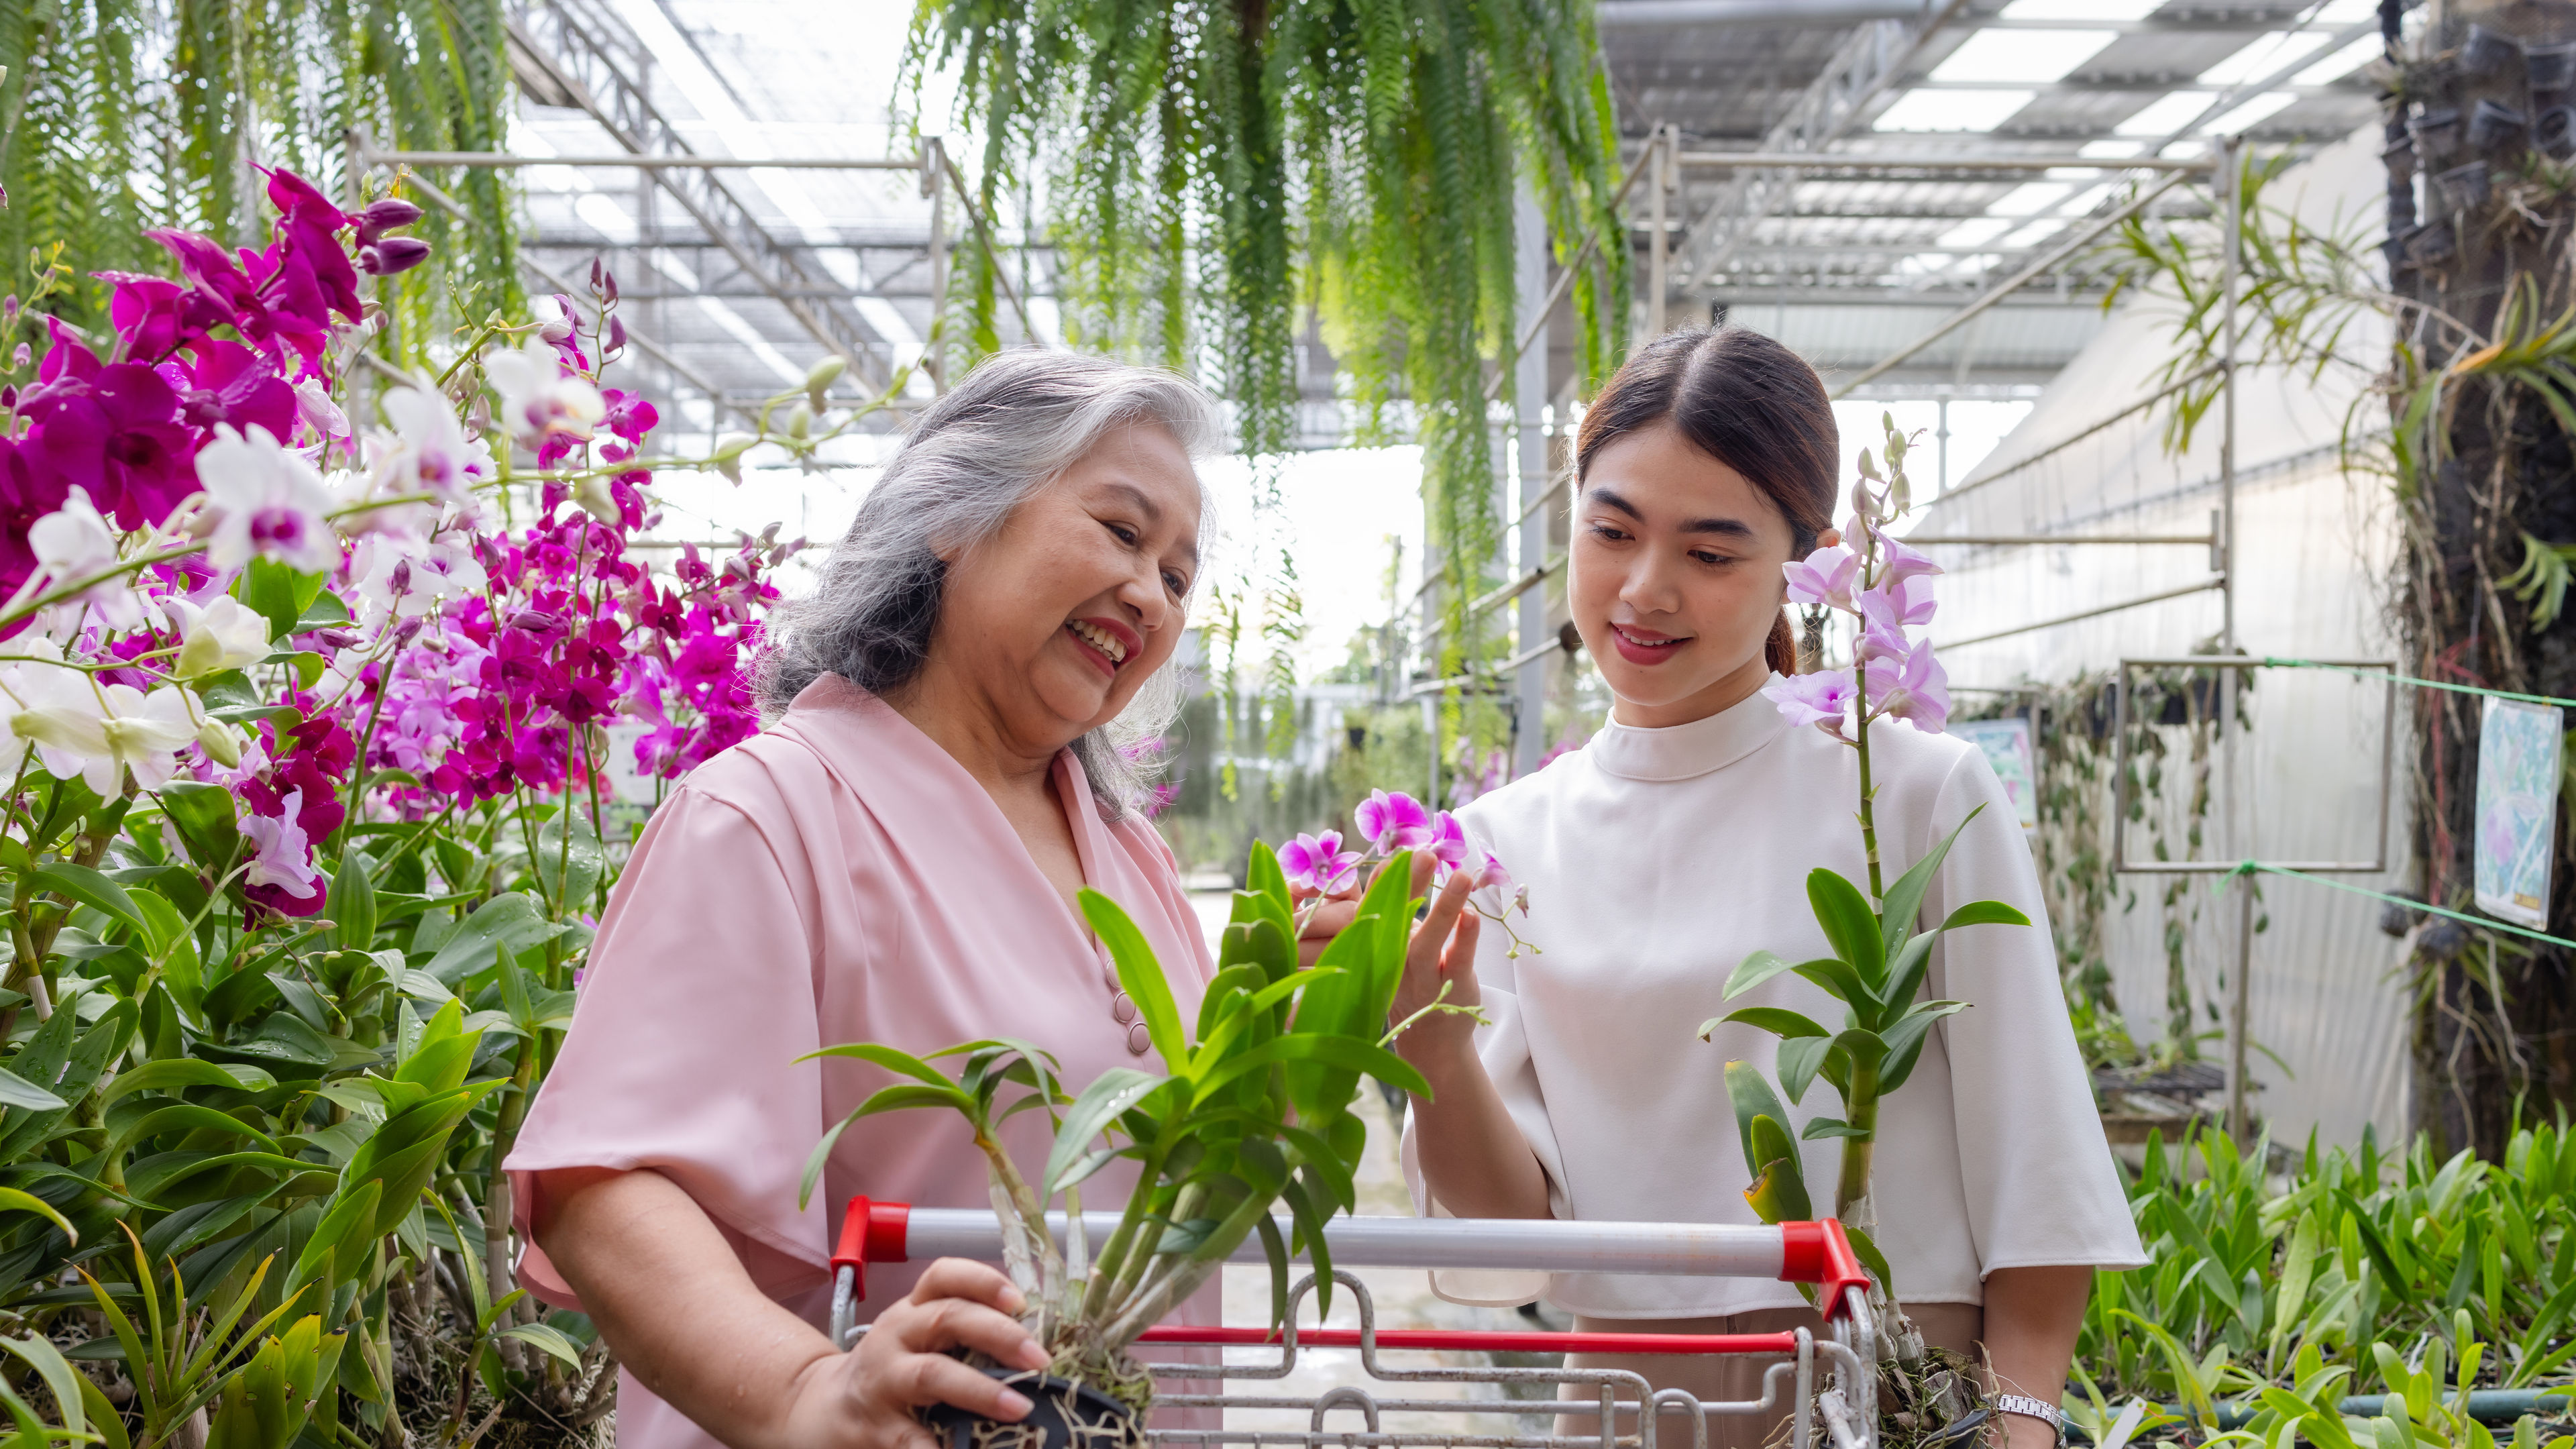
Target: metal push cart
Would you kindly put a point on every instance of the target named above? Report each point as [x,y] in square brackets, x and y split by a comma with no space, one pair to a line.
[1807,1252]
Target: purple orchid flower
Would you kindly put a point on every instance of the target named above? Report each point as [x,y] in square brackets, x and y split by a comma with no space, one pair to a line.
[1318,862]
[1903,563]
[1818,699]
[1898,604]
[1393,822]
[1448,842]
[1915,689]
[1825,576]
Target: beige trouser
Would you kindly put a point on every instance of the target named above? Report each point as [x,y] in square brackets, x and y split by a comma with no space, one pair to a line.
[1712,1378]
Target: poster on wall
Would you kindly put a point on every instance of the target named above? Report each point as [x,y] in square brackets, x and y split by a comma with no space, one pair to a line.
[2518,781]
[2006,743]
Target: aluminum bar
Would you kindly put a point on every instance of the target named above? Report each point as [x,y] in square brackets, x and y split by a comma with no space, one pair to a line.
[504,159]
[577,47]
[1547,1245]
[2204,586]
[2076,242]
[1875,55]
[1804,14]
[2198,540]
[2189,379]
[1757,160]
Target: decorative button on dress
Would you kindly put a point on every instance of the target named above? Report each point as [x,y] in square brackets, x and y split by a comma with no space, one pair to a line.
[839,878]
[1656,860]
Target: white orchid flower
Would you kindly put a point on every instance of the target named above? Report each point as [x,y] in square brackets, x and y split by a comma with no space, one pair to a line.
[222,635]
[76,541]
[538,399]
[99,731]
[284,857]
[268,503]
[428,450]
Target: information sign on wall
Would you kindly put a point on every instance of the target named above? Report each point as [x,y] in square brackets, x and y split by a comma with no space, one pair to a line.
[2007,746]
[2519,749]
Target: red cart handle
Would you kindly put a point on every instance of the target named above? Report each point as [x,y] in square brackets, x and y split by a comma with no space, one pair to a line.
[871,1232]
[1820,1253]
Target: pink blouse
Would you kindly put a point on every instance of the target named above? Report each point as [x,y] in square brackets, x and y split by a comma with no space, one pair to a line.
[838,878]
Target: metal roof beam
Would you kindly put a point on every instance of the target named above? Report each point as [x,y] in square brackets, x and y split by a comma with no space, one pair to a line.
[1876,54]
[575,49]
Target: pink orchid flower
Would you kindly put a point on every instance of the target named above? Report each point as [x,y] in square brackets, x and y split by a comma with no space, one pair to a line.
[1825,576]
[1318,862]
[1916,690]
[1813,698]
[1448,842]
[1393,822]
[1898,604]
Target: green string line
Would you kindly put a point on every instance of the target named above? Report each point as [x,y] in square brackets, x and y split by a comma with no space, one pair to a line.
[2483,923]
[2271,661]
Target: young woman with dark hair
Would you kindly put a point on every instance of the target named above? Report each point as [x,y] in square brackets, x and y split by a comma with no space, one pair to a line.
[1676,842]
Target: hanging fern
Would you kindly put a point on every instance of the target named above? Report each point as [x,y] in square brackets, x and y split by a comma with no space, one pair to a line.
[1217,168]
[117,115]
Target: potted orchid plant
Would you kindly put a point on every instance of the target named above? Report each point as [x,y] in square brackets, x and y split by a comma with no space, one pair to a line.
[1252,1110]
[1880,956]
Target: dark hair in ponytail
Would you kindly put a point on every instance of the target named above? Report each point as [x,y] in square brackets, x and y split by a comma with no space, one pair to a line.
[1746,401]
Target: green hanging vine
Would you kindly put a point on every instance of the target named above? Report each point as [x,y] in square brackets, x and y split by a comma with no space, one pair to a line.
[117,115]
[1216,171]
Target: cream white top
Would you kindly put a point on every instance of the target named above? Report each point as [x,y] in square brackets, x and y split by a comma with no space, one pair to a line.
[1657,859]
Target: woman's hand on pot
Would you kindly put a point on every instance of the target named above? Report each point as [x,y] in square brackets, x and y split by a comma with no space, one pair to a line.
[864,1399]
[1442,956]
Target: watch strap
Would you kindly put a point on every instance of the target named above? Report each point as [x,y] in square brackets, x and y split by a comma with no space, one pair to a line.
[2028,1407]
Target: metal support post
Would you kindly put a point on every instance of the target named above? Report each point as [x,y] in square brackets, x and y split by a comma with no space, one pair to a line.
[2239,843]
[934,185]
[1529,401]
[1659,155]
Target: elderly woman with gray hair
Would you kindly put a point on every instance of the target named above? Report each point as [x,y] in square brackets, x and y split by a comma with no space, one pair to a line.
[894,860]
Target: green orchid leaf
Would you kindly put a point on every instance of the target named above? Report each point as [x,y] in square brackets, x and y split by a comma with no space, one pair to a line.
[1905,1041]
[1984,913]
[1904,900]
[1778,1021]
[1779,1191]
[1752,971]
[1849,923]
[1141,976]
[1905,976]
[1839,979]
[1109,1096]
[1832,1127]
[1752,1097]
[80,883]
[1871,1258]
[1799,1060]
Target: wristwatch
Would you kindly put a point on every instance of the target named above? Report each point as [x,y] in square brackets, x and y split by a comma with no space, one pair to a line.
[2028,1407]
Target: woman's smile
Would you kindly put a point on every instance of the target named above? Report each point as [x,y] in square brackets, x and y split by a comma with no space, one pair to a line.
[1640,645]
[1105,642]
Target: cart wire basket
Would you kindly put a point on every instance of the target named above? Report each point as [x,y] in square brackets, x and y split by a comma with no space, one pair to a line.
[1606,1415]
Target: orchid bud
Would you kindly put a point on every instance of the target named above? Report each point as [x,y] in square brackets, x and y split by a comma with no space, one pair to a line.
[400,580]
[20,358]
[820,377]
[608,284]
[8,397]
[407,630]
[729,451]
[1868,465]
[597,500]
[594,273]
[223,743]
[1863,503]
[616,336]
[800,421]
[395,254]
[9,310]
[557,332]
[379,217]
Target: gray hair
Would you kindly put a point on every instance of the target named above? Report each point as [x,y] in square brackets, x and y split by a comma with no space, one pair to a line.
[1009,428]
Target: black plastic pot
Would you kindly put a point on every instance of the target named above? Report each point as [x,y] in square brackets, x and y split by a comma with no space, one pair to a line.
[2486,52]
[2554,132]
[2549,67]
[2436,133]
[2494,125]
[2463,188]
[1067,1414]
